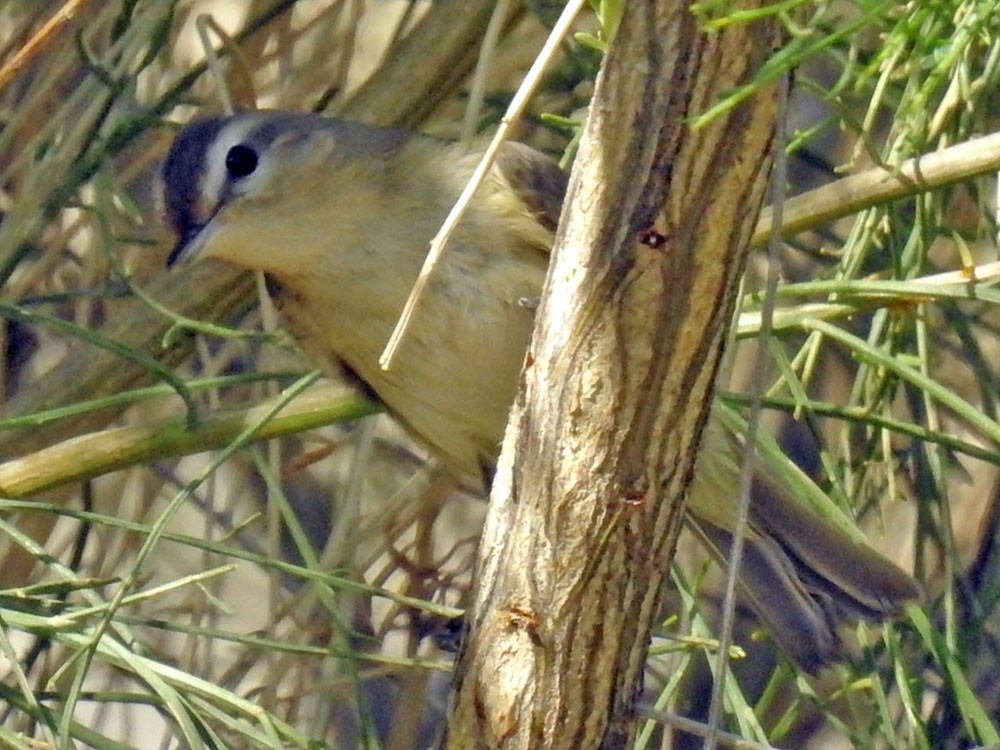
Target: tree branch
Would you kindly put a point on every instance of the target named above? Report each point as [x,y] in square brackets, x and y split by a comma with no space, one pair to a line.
[617,386]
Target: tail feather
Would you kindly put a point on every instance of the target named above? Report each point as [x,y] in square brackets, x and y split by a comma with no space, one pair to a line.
[799,619]
[804,574]
[860,582]
[805,577]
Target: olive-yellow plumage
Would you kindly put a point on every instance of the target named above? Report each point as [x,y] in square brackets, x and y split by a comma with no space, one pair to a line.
[339,216]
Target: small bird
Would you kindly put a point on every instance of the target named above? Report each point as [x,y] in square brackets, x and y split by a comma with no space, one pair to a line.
[339,216]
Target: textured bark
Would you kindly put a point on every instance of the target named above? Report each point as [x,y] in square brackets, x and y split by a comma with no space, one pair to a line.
[599,453]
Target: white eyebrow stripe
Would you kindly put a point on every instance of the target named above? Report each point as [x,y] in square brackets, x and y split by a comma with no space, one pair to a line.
[215,176]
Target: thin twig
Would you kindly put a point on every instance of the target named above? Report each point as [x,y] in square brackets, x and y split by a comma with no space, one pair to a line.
[98,453]
[725,635]
[690,726]
[41,41]
[878,185]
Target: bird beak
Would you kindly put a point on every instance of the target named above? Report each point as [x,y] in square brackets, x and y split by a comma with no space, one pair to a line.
[191,245]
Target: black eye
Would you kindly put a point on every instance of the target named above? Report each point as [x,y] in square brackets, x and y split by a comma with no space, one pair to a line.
[241,161]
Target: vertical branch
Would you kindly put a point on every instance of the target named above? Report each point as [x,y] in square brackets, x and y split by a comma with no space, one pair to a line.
[617,387]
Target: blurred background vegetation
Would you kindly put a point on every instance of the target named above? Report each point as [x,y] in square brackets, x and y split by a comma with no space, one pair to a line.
[292,592]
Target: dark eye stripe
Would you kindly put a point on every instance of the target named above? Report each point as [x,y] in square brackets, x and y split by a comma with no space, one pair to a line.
[184,170]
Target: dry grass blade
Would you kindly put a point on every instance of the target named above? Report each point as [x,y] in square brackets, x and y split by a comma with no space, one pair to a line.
[43,39]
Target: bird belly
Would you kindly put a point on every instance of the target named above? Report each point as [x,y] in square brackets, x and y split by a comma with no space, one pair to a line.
[452,380]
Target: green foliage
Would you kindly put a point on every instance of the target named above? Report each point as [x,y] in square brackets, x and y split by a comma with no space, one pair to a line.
[190,601]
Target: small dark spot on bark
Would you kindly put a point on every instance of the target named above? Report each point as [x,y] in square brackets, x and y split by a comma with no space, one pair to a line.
[633,497]
[519,618]
[652,238]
